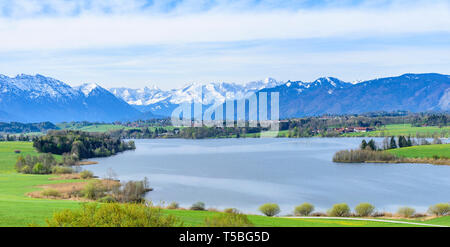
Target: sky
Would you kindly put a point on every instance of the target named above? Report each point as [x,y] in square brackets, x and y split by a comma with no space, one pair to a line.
[138,43]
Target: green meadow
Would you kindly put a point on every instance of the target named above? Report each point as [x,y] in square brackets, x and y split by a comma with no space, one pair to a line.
[423,151]
[103,127]
[93,127]
[17,209]
[403,130]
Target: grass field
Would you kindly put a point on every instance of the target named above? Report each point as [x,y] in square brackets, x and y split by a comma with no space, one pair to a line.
[404,130]
[423,151]
[94,127]
[16,209]
[388,130]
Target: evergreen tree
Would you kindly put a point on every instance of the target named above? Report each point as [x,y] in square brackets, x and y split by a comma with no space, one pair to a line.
[402,142]
[372,145]
[363,145]
[393,144]
[409,142]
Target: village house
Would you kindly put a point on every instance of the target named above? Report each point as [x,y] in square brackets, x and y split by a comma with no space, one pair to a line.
[354,129]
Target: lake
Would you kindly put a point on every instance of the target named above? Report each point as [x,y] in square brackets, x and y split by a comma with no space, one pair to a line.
[245,173]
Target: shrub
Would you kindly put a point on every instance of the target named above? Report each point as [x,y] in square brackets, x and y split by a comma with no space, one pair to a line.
[69,160]
[107,199]
[173,205]
[440,209]
[231,211]
[270,209]
[406,212]
[94,190]
[132,191]
[50,193]
[86,174]
[41,164]
[228,220]
[39,168]
[364,209]
[198,206]
[304,210]
[62,170]
[25,169]
[113,215]
[339,210]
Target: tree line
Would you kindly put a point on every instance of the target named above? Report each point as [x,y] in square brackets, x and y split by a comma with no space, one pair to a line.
[81,144]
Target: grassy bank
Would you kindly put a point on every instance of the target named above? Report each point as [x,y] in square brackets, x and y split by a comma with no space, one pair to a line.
[423,151]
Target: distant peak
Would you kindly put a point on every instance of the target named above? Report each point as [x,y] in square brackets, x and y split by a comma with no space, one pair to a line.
[152,87]
[269,80]
[87,88]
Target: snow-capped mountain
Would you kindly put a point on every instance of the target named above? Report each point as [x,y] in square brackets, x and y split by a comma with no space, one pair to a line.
[37,86]
[145,96]
[163,102]
[410,92]
[27,98]
[38,98]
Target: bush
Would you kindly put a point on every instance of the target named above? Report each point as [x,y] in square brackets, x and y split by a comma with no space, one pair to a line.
[231,211]
[132,191]
[364,209]
[94,190]
[86,174]
[173,205]
[440,209]
[25,169]
[228,220]
[270,209]
[51,193]
[62,170]
[406,212]
[39,168]
[113,215]
[107,199]
[41,164]
[304,210]
[198,206]
[339,210]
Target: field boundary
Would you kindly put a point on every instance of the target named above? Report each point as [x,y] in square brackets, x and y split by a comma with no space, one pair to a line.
[363,219]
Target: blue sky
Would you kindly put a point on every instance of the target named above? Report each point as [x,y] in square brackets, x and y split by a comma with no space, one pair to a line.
[137,43]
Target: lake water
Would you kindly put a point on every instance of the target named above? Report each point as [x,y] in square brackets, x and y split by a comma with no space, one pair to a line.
[245,173]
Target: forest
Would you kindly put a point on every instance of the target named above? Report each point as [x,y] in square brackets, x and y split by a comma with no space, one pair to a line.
[81,144]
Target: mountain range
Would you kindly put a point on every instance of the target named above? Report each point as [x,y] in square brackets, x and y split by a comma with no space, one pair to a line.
[38,98]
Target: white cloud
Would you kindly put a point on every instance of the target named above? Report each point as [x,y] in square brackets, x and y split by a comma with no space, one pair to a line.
[87,30]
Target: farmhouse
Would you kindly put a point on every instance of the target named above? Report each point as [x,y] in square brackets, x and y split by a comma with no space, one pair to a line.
[354,129]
